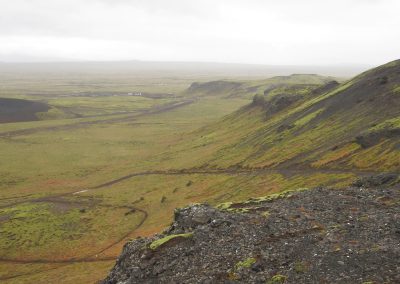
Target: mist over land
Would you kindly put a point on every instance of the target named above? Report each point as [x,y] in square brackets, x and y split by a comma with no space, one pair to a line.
[181,69]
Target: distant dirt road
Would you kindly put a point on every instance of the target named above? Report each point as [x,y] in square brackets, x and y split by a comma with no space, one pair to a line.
[153,110]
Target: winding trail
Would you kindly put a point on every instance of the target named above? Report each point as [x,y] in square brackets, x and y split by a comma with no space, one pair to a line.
[58,198]
[92,257]
[89,258]
[203,171]
[234,171]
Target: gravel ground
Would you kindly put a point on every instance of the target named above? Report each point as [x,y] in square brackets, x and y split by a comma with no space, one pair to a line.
[322,235]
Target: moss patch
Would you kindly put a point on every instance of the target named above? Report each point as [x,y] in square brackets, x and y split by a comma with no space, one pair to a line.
[240,207]
[156,244]
[306,119]
[300,267]
[277,279]
[271,197]
[245,263]
[393,123]
[224,206]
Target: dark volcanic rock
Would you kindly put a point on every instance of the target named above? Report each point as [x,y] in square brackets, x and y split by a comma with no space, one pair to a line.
[280,102]
[187,219]
[284,127]
[326,88]
[213,87]
[373,138]
[314,236]
[276,104]
[377,180]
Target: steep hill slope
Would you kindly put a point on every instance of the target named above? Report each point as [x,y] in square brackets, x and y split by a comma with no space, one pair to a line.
[346,235]
[354,125]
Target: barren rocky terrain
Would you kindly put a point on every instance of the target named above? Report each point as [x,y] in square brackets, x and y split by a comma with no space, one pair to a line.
[351,235]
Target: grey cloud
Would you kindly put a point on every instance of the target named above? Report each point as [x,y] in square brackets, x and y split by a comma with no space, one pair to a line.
[254,31]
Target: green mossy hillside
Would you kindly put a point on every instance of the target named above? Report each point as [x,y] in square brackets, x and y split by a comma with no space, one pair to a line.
[354,125]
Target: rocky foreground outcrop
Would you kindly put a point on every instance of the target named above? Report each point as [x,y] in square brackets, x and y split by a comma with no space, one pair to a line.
[321,235]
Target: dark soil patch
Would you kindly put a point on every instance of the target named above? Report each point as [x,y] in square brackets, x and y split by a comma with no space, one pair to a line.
[280,103]
[5,218]
[372,138]
[372,91]
[63,206]
[16,110]
[377,180]
[325,88]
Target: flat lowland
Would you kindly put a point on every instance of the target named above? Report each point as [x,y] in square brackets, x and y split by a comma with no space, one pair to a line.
[55,218]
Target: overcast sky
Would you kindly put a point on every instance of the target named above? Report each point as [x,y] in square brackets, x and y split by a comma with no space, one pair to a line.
[290,32]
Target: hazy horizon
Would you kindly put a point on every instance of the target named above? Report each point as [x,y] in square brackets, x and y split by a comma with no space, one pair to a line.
[195,70]
[288,32]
